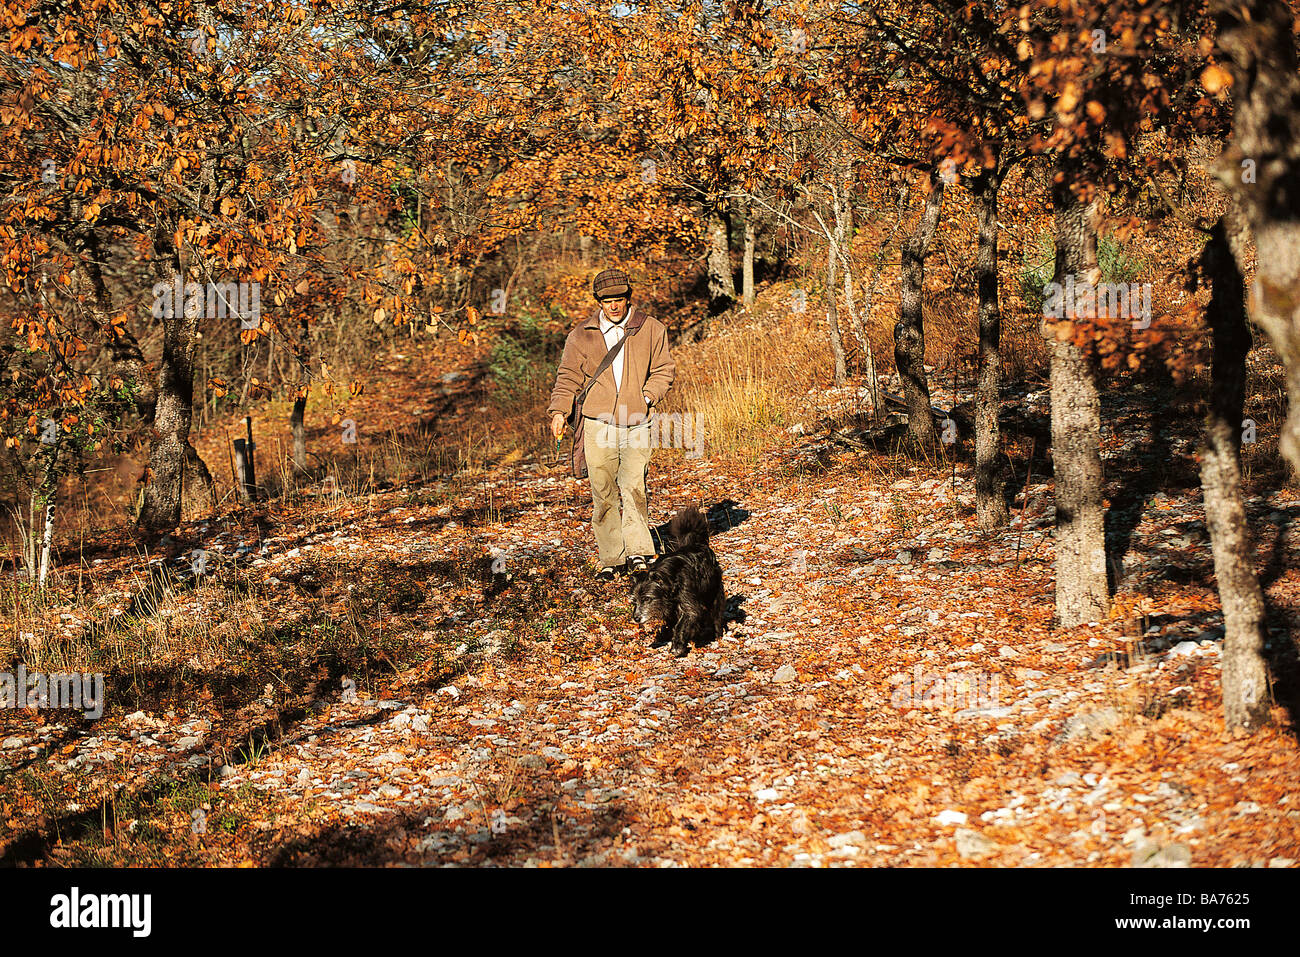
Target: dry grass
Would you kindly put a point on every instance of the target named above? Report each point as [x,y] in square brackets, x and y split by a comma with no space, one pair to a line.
[746,385]
[53,631]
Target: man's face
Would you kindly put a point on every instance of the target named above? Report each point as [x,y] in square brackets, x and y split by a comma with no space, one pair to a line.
[614,307]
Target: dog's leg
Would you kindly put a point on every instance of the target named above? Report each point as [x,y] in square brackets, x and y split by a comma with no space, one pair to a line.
[686,627]
[666,632]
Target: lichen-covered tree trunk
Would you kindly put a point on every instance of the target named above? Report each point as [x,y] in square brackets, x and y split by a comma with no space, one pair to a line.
[173,411]
[722,287]
[1081,592]
[990,500]
[1260,170]
[747,256]
[909,331]
[1246,696]
[171,457]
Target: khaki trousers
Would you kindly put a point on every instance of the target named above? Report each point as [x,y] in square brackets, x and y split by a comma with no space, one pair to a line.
[618,463]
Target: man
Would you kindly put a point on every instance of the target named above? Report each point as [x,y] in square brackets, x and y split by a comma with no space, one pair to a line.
[616,430]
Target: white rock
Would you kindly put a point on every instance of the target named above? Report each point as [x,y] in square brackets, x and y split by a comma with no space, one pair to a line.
[785,674]
[950,817]
[972,843]
[849,838]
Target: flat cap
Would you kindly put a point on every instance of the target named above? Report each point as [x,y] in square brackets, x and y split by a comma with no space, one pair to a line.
[611,282]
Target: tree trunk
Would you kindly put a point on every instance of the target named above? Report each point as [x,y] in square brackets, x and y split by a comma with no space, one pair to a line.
[1081,592]
[44,496]
[832,311]
[842,208]
[1260,169]
[170,454]
[909,332]
[990,501]
[1246,696]
[722,287]
[171,426]
[47,540]
[747,260]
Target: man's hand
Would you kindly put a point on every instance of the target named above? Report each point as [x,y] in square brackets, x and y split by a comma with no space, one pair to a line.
[557,426]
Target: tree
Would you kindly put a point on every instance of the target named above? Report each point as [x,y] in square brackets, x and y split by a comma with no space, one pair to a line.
[990,497]
[1246,692]
[909,332]
[1259,170]
[1081,588]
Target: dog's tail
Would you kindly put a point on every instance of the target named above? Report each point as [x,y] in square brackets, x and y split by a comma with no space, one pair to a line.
[689,529]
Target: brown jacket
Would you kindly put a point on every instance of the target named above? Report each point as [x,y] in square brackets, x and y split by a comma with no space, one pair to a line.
[647,370]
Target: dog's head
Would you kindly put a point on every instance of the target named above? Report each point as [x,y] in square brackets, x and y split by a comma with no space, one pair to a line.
[647,596]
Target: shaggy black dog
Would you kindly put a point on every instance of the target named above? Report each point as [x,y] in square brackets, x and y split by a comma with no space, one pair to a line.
[682,587]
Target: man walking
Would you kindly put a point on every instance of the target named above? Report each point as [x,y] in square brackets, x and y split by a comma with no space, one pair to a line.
[616,414]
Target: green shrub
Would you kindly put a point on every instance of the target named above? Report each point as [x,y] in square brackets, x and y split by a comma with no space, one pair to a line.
[1038,266]
[523,360]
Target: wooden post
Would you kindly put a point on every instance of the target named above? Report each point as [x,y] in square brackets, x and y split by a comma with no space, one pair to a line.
[245,474]
[241,470]
[252,470]
[234,475]
[300,402]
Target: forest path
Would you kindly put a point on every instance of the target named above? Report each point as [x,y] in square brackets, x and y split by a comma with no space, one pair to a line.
[879,705]
[891,691]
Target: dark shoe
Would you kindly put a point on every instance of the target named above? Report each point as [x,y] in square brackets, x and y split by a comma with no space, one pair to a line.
[607,573]
[637,563]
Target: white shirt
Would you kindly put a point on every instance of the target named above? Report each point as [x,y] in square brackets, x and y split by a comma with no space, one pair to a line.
[613,332]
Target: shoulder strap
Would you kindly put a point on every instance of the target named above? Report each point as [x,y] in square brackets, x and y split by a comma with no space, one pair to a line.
[633,324]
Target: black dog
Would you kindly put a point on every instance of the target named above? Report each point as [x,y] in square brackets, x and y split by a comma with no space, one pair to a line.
[683,587]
